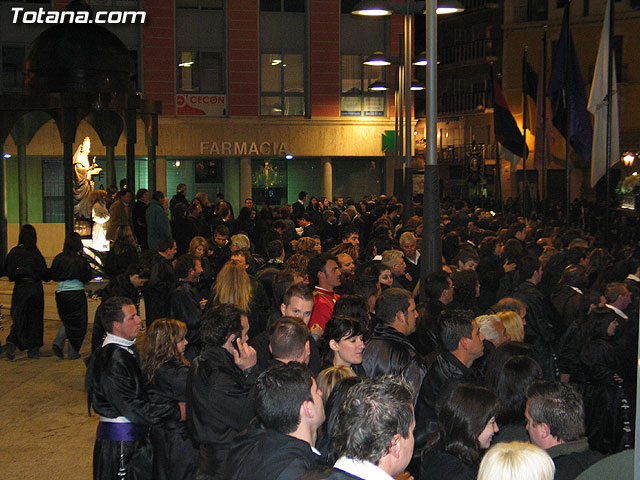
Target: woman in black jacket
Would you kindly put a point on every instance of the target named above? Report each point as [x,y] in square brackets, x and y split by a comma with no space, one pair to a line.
[467,422]
[26,267]
[71,270]
[124,252]
[165,372]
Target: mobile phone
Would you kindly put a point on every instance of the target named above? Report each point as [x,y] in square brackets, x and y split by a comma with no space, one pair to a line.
[234,342]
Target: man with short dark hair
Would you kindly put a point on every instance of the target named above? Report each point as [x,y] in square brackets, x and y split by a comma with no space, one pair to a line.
[290,410]
[185,303]
[389,349]
[123,448]
[542,316]
[219,403]
[462,344]
[438,288]
[375,425]
[275,264]
[298,303]
[119,214]
[324,276]
[289,340]
[555,422]
[298,207]
[162,281]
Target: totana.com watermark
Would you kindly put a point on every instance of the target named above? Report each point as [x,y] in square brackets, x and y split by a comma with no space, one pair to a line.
[20,15]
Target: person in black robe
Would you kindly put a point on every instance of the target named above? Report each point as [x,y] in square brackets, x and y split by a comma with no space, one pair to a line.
[26,267]
[162,281]
[139,218]
[165,370]
[126,285]
[219,400]
[116,391]
[609,426]
[71,270]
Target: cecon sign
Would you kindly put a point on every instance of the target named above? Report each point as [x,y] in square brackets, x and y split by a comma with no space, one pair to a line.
[201,105]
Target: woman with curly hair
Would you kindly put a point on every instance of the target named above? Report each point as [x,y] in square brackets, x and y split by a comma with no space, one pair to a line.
[165,372]
[199,247]
[467,423]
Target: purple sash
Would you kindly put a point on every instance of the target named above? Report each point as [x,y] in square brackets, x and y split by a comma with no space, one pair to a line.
[121,432]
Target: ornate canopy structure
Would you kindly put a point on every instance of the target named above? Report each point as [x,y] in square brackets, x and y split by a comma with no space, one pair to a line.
[76,72]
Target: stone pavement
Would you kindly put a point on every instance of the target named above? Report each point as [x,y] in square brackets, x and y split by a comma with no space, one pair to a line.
[45,431]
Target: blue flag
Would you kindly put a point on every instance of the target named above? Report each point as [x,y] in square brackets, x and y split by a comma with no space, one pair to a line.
[568,95]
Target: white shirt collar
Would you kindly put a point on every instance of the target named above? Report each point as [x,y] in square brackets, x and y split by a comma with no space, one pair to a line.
[123,342]
[362,469]
[633,277]
[415,262]
[576,289]
[617,310]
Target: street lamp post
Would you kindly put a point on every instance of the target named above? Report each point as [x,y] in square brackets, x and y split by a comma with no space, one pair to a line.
[431,246]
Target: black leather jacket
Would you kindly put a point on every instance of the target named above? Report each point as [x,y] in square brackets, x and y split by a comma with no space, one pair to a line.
[219,406]
[389,351]
[446,373]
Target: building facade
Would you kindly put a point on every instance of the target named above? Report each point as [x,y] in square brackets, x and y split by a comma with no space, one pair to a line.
[260,98]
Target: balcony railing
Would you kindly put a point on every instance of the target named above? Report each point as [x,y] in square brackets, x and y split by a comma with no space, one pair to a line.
[459,154]
[464,52]
[465,102]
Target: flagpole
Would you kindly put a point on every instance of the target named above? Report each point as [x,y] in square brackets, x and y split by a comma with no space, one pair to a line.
[545,205]
[525,188]
[567,96]
[609,103]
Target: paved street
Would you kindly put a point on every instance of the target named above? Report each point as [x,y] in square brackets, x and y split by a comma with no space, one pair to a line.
[45,432]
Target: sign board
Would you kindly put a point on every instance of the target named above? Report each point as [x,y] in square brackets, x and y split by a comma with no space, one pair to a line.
[213,105]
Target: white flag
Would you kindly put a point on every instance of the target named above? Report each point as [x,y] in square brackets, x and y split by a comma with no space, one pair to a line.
[598,106]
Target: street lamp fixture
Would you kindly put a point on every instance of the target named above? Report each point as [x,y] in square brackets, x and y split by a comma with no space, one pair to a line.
[377,59]
[628,159]
[379,86]
[379,8]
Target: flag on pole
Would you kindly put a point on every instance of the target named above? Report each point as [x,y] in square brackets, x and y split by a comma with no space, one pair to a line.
[568,95]
[598,105]
[504,125]
[530,90]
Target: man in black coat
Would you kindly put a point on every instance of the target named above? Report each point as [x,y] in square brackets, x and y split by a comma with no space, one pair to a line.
[221,378]
[298,207]
[374,428]
[162,281]
[555,422]
[289,412]
[542,317]
[463,344]
[185,303]
[439,289]
[116,391]
[128,285]
[389,349]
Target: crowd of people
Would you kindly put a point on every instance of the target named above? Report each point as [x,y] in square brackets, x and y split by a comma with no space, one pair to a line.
[303,342]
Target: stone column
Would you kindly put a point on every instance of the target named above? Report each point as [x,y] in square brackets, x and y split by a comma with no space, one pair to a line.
[327,178]
[245,180]
[22,185]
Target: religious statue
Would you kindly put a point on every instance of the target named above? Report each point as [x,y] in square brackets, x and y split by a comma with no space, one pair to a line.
[82,182]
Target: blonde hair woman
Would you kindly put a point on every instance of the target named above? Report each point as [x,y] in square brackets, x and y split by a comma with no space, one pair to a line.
[199,247]
[516,461]
[233,286]
[513,325]
[328,378]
